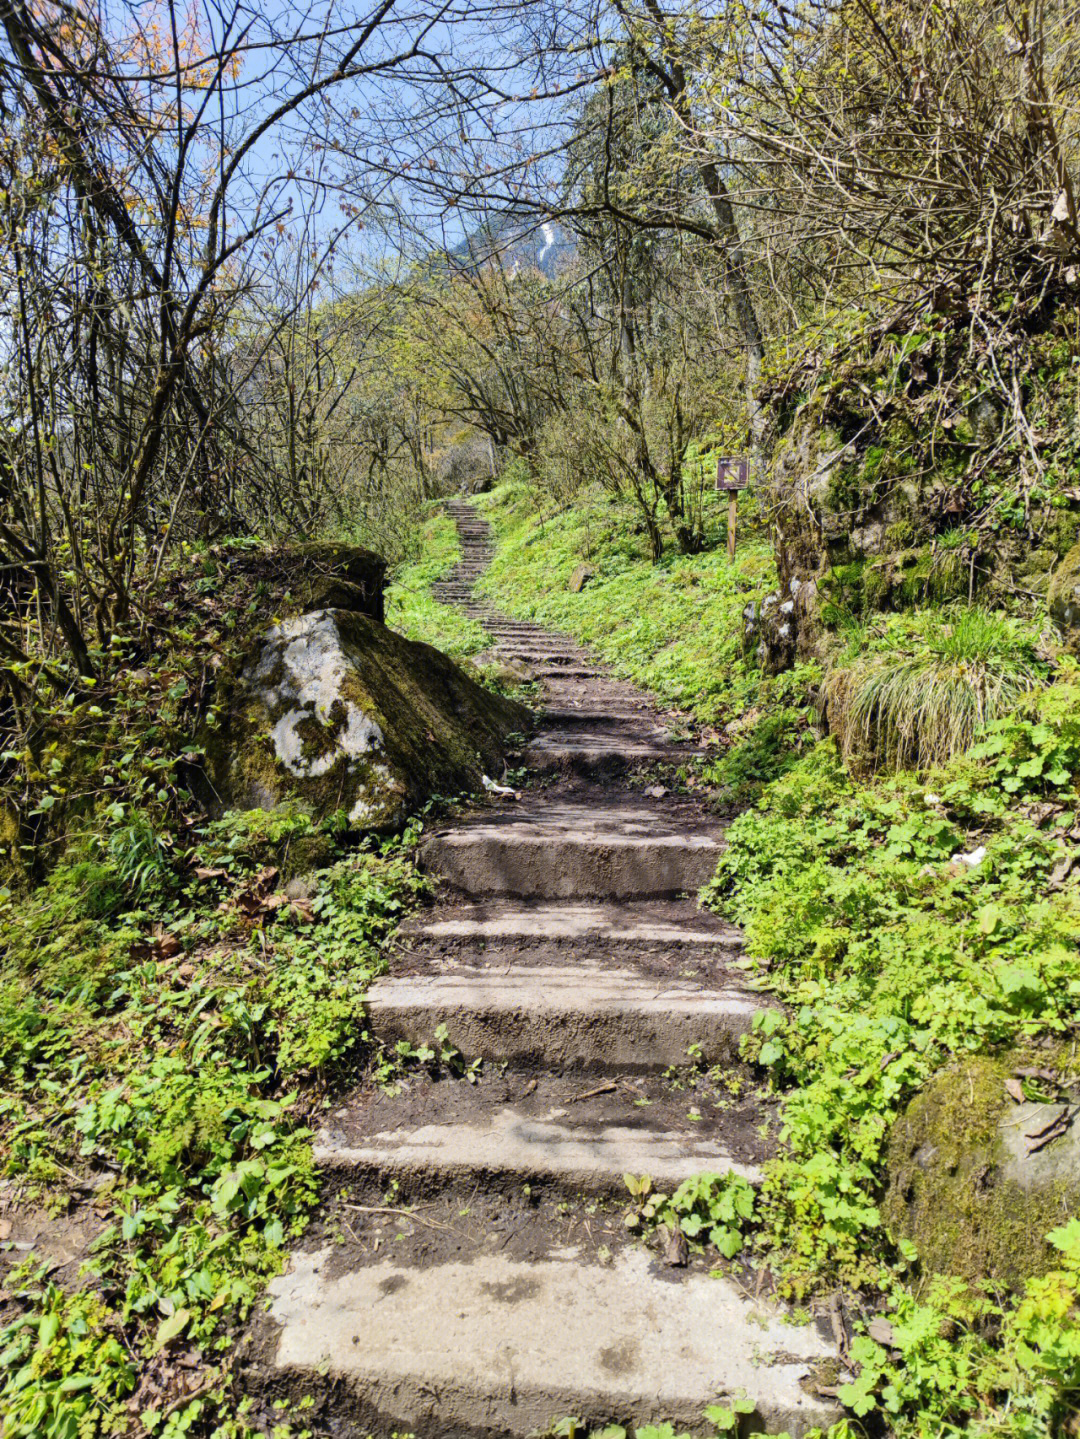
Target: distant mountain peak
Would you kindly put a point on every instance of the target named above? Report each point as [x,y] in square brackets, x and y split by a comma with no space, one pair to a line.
[518,243]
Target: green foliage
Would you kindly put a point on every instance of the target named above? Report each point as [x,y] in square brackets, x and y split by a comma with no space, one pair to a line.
[1036,750]
[720,1419]
[768,750]
[928,687]
[63,1362]
[707,1208]
[905,922]
[176,1046]
[961,1362]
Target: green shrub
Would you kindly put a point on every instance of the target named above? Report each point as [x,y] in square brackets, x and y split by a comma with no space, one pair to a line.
[768,750]
[176,1047]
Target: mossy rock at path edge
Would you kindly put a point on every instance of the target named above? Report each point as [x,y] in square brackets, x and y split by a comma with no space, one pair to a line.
[962,1184]
[339,713]
[1063,598]
[325,576]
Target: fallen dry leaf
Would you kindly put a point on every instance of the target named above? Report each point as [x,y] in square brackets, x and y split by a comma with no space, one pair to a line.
[881,1331]
[676,1249]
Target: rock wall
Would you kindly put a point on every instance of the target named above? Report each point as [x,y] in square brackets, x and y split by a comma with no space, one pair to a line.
[897,480]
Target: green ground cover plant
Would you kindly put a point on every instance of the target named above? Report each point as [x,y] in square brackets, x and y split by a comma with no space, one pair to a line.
[908,922]
[168,1021]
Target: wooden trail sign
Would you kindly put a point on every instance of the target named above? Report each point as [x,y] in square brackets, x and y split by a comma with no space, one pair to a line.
[732,475]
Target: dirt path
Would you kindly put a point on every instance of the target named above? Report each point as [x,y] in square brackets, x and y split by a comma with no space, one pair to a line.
[474,1276]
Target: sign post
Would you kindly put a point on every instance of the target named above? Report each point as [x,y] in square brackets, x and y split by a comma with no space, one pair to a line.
[732,475]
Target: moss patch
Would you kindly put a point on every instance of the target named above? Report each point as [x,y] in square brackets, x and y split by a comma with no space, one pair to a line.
[947,1187]
[1063,597]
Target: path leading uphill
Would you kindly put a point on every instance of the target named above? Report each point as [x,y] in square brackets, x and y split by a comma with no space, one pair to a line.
[475,1276]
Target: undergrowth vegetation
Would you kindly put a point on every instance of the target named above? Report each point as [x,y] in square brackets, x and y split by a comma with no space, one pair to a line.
[926,685]
[168,1021]
[908,923]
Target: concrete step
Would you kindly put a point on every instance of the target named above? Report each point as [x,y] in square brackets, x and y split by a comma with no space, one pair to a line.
[518,924]
[543,669]
[513,1144]
[536,655]
[566,851]
[636,717]
[493,1345]
[581,756]
[570,1016]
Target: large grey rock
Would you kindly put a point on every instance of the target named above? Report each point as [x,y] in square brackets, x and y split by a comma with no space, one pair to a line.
[324,576]
[342,714]
[972,1179]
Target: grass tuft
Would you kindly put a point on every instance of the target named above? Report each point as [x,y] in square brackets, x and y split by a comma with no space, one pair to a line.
[936,686]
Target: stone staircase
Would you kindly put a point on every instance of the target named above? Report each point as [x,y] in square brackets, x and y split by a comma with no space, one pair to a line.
[489,1285]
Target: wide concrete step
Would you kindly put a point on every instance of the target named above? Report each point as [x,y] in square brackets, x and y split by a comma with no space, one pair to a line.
[570,851]
[541,650]
[544,669]
[571,1016]
[513,1144]
[639,926]
[636,717]
[606,743]
[517,628]
[491,1345]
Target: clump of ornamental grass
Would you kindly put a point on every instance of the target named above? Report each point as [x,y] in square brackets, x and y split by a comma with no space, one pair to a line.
[930,686]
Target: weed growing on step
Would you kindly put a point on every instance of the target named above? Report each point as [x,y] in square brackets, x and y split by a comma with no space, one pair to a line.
[720,1420]
[438,1056]
[709,1209]
[166,1027]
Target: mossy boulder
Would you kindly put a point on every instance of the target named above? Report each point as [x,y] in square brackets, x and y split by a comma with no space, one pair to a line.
[325,576]
[962,1184]
[1063,597]
[341,714]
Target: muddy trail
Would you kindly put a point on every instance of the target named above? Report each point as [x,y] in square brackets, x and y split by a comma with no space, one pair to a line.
[472,1274]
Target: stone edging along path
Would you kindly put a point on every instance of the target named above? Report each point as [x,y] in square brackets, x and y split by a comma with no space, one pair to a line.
[473,1275]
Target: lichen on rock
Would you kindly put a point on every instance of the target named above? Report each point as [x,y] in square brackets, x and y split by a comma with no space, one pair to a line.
[342,714]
